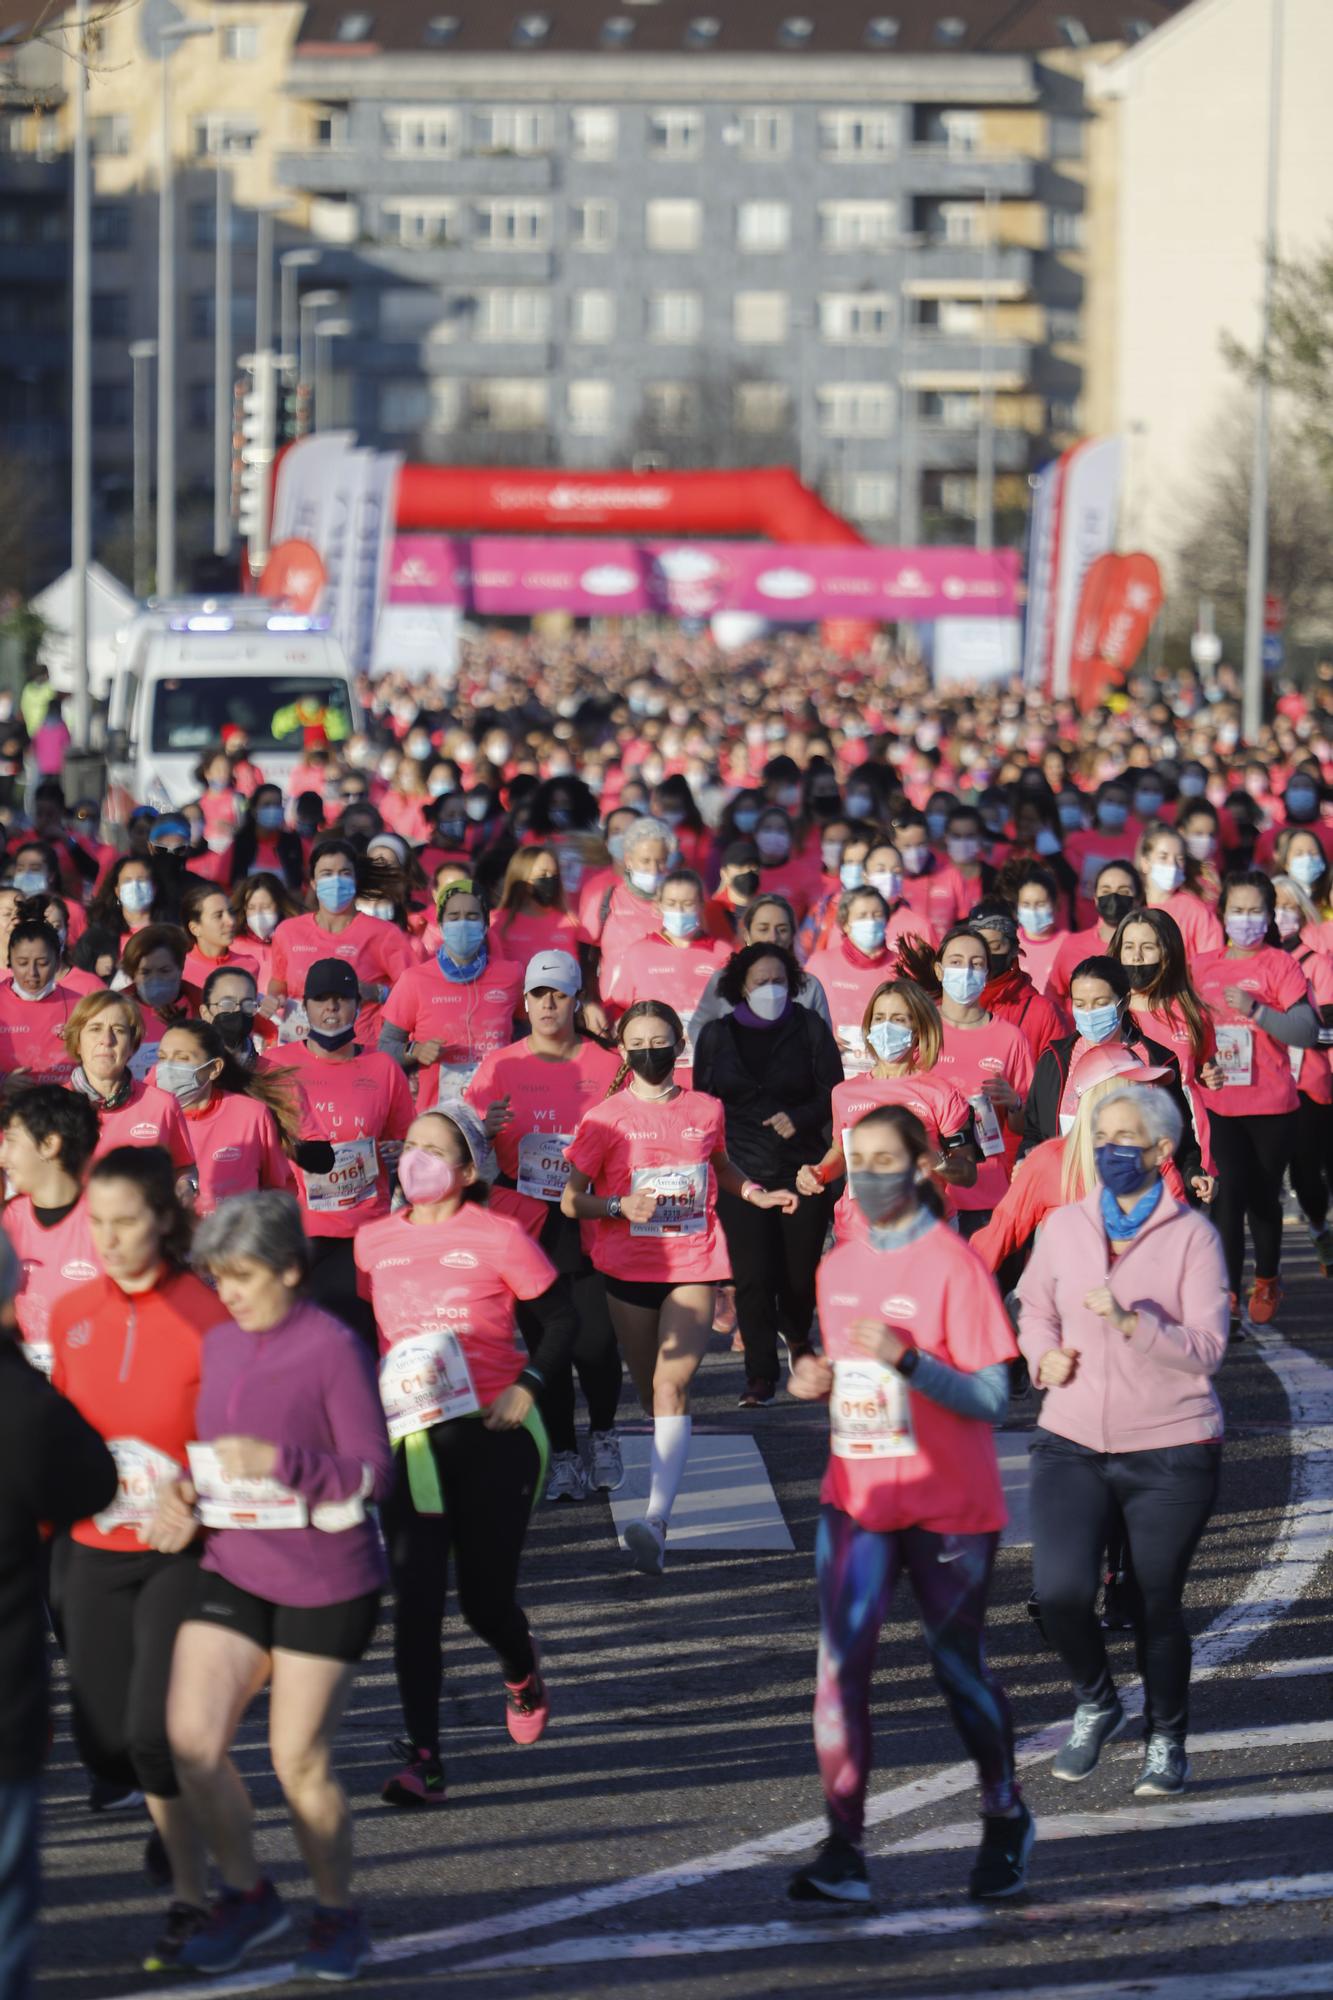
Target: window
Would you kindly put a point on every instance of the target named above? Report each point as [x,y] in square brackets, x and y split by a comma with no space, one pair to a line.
[199,406]
[958,494]
[111,315]
[240,44]
[950,31]
[617,32]
[1064,416]
[110,136]
[514,313]
[513,225]
[592,317]
[671,407]
[955,410]
[592,225]
[511,129]
[440,30]
[110,226]
[594,133]
[417,132]
[445,400]
[407,311]
[858,135]
[676,135]
[111,405]
[763,226]
[856,409]
[1072,31]
[960,222]
[676,316]
[330,128]
[591,407]
[1064,324]
[873,496]
[420,221]
[858,225]
[508,403]
[190,714]
[216,136]
[962,131]
[762,409]
[354,28]
[962,318]
[404,407]
[673,225]
[702,31]
[765,135]
[796,32]
[531,30]
[761,318]
[1066,229]
[1066,138]
[881,32]
[852,318]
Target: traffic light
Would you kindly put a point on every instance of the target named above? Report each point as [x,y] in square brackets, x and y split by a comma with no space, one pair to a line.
[259,429]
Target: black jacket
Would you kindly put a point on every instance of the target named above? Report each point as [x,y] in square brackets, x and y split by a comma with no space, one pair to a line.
[1041,1113]
[53,1468]
[794,1067]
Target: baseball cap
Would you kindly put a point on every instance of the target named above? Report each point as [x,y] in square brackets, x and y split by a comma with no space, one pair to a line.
[1099,1064]
[396,847]
[553,968]
[170,826]
[332,979]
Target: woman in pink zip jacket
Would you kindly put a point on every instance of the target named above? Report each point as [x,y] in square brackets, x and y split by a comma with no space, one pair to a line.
[1124,1320]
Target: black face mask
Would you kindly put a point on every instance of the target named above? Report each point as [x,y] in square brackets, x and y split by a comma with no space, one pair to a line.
[331,1039]
[825,804]
[746,882]
[1115,906]
[546,891]
[652,1065]
[1141,977]
[234,1029]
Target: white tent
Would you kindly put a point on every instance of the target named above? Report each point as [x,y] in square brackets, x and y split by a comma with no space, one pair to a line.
[110,608]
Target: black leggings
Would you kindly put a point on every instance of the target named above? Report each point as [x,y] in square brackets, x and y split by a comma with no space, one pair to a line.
[489,1480]
[595,1356]
[1165,1498]
[332,1284]
[1312,1160]
[1252,1155]
[773,1259]
[120,1614]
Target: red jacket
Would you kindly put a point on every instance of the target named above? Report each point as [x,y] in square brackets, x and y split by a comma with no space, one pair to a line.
[1012,997]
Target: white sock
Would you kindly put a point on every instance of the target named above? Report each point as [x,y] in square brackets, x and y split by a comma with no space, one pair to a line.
[671,1448]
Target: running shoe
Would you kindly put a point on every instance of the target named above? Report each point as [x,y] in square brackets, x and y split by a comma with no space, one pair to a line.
[1164,1770]
[1093,1729]
[180,1923]
[237,1925]
[646,1542]
[108,1795]
[1264,1301]
[1001,1866]
[421,1780]
[757,1394]
[337,1946]
[567,1478]
[837,1874]
[606,1473]
[1322,1240]
[527,1705]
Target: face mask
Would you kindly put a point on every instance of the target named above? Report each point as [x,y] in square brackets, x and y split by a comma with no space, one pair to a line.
[462,938]
[824,804]
[651,1065]
[546,890]
[42,993]
[936,823]
[1289,921]
[1200,846]
[158,991]
[890,1040]
[571,872]
[867,934]
[1047,841]
[746,882]
[881,1195]
[860,805]
[135,897]
[680,923]
[646,880]
[830,855]
[1148,804]
[964,851]
[1166,875]
[331,1039]
[769,1001]
[1121,1168]
[438,787]
[1111,816]
[994,819]
[773,846]
[1300,802]
[1097,1024]
[561,818]
[335,892]
[962,983]
[384,911]
[1306,869]
[180,1080]
[916,860]
[269,819]
[388,766]
[1035,919]
[477,808]
[262,923]
[889,884]
[789,797]
[1141,977]
[234,1028]
[30,882]
[1071,814]
[424,1177]
[1193,784]
[745,819]
[852,874]
[1247,929]
[1114,905]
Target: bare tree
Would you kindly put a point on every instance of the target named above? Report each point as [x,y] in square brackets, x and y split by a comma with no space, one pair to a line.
[708,432]
[1301,347]
[1212,551]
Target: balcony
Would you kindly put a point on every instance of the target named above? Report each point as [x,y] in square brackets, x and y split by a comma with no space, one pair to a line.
[25,174]
[956,270]
[951,172]
[432,265]
[35,263]
[926,354]
[933,446]
[357,172]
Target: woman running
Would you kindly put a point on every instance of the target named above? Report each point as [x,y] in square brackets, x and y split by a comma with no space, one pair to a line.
[237,1118]
[858,961]
[443,1016]
[50,1135]
[102,1036]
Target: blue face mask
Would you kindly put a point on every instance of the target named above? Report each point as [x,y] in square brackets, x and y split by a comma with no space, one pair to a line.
[1097,1024]
[1047,841]
[680,923]
[890,1040]
[860,805]
[1193,784]
[1071,813]
[136,896]
[1300,802]
[867,934]
[1121,1168]
[936,823]
[335,892]
[1035,918]
[745,819]
[462,938]
[963,983]
[269,818]
[1303,868]
[30,882]
[852,874]
[1111,815]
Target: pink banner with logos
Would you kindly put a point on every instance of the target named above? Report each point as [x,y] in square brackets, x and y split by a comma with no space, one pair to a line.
[516,576]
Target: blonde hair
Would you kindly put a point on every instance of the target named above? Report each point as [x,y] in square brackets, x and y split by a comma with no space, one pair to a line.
[91,1008]
[926,1024]
[1078,1169]
[518,875]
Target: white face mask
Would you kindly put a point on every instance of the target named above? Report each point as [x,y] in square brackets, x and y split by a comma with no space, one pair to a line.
[262,923]
[767,1001]
[369,908]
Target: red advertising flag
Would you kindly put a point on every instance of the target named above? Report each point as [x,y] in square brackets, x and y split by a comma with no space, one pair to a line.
[294,576]
[1122,595]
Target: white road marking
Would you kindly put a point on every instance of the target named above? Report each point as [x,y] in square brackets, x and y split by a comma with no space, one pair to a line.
[1268,1982]
[726,1498]
[1168,1816]
[1012,1449]
[1303,1540]
[1284,1670]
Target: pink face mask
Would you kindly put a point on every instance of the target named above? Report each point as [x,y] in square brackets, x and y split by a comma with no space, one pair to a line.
[424,1177]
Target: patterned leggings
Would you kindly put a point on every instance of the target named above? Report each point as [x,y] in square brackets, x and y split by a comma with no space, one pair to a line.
[857,1570]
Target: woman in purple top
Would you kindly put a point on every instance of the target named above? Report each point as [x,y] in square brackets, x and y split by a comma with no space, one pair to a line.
[292,1451]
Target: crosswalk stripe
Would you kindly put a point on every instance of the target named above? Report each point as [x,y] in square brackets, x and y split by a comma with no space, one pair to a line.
[1264,1982]
[726,1499]
[1283,1670]
[1164,1817]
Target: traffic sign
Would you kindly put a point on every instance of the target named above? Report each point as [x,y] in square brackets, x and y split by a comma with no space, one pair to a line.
[1275,612]
[1275,652]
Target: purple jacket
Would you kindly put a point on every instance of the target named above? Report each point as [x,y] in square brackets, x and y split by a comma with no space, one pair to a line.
[307,1386]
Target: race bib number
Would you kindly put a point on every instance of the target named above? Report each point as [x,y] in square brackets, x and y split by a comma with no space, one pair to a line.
[241,1503]
[354,1179]
[1235,1055]
[1296,1057]
[856,1057]
[870,1411]
[454,1080]
[542,1166]
[425,1381]
[990,1134]
[41,1355]
[295,1023]
[141,1470]
[143,1061]
[682,1196]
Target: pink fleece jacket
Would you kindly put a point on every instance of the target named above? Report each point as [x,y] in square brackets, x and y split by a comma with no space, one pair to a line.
[1151,1389]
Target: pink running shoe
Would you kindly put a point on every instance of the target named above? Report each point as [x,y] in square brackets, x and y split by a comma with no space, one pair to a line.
[527,1705]
[419,1783]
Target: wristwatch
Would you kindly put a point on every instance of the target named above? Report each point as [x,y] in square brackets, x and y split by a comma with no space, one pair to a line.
[907,1364]
[613,1208]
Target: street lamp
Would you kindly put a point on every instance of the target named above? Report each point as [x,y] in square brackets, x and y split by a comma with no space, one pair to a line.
[81,408]
[1256,579]
[222,366]
[265,216]
[142,353]
[986,412]
[326,332]
[168,37]
[312,303]
[293,262]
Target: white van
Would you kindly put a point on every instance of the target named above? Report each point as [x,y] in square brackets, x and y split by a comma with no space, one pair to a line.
[189,667]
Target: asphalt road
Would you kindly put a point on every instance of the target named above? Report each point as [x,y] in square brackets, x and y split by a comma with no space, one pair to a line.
[642,1847]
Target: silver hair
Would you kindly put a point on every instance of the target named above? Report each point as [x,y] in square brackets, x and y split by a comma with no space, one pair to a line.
[1302,898]
[1161,1116]
[648,828]
[265,1226]
[11,1271]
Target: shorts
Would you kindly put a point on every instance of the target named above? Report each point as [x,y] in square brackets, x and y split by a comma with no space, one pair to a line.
[326,1631]
[648,1293]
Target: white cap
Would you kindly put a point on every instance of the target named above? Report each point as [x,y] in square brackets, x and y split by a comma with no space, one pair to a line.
[553,968]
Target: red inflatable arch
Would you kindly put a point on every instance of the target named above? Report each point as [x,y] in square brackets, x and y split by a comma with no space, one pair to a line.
[479,500]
